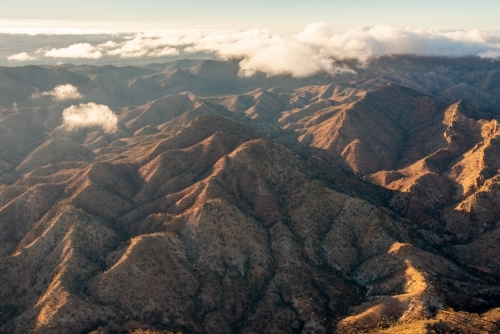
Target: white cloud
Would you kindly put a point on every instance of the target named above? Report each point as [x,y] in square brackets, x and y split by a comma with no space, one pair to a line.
[145,45]
[166,51]
[108,45]
[492,54]
[318,47]
[79,50]
[61,93]
[90,115]
[131,49]
[23,56]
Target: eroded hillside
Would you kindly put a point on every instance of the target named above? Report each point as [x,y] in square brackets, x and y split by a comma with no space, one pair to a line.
[325,208]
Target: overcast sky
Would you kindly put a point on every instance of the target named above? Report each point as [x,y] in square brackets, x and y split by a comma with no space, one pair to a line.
[257,13]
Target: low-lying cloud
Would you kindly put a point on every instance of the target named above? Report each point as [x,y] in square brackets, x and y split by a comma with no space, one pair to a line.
[318,47]
[491,54]
[23,56]
[79,50]
[90,115]
[61,93]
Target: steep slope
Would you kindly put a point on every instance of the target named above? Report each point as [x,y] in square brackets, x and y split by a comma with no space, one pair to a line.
[436,157]
[450,180]
[340,206]
[217,229]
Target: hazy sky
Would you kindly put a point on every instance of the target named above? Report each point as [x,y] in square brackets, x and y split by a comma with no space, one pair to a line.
[257,13]
[304,36]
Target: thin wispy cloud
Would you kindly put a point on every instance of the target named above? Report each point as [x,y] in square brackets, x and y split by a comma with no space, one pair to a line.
[316,48]
[491,54]
[140,46]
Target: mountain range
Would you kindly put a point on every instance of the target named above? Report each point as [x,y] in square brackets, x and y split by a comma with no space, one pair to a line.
[361,202]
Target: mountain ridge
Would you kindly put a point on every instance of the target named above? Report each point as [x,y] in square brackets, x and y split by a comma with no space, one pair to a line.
[319,208]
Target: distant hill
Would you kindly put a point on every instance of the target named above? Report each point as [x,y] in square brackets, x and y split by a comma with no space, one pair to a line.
[173,65]
[471,79]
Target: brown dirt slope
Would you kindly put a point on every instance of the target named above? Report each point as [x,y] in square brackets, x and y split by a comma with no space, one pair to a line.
[214,228]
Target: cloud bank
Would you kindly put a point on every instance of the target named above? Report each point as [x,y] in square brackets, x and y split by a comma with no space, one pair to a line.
[61,93]
[90,115]
[316,48]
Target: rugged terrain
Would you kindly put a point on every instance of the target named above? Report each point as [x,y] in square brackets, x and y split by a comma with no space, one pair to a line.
[360,203]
